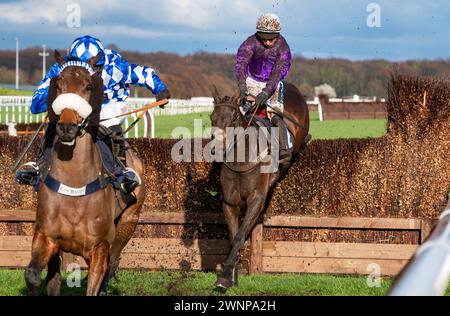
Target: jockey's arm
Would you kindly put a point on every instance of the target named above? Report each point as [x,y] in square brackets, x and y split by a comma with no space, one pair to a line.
[243,57]
[39,100]
[279,71]
[143,76]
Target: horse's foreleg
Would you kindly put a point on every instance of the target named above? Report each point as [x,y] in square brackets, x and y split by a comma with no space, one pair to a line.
[232,217]
[255,205]
[124,231]
[53,279]
[43,249]
[98,263]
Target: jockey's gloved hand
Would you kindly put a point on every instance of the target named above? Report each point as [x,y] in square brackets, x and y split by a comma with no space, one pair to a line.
[262,98]
[164,94]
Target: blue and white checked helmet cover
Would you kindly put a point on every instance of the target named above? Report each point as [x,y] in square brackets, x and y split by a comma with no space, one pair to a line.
[86,47]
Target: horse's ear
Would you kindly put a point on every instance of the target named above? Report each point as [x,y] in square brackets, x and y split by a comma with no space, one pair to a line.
[236,98]
[59,59]
[93,61]
[96,100]
[215,94]
[51,96]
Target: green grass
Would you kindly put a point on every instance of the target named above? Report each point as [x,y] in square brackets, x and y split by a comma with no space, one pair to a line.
[319,130]
[166,124]
[14,92]
[130,282]
[346,128]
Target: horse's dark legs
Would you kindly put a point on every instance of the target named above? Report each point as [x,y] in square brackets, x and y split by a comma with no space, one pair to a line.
[53,278]
[255,205]
[43,249]
[98,263]
[124,231]
[232,218]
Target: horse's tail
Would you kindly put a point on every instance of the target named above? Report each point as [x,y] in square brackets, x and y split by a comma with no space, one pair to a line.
[306,141]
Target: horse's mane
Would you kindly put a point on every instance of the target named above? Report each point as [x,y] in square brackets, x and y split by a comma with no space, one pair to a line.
[72,58]
[225,100]
[229,100]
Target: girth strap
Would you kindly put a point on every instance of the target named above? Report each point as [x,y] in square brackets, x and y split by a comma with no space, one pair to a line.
[100,183]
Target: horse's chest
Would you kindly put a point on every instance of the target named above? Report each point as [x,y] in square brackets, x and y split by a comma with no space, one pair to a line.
[78,224]
[238,187]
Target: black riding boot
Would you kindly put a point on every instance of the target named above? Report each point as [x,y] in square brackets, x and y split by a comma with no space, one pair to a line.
[129,182]
[285,151]
[28,173]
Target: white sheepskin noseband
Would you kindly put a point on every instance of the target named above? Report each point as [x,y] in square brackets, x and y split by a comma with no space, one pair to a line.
[74,102]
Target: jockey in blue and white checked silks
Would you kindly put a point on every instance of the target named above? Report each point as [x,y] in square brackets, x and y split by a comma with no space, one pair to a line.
[117,75]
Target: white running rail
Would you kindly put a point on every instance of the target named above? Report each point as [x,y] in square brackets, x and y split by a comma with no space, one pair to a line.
[17,109]
[428,273]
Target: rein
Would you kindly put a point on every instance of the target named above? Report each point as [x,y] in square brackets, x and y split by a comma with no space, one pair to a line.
[259,158]
[27,147]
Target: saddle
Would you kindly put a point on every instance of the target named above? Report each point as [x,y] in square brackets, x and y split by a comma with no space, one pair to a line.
[260,117]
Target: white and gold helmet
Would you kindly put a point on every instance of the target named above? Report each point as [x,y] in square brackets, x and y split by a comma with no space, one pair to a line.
[269,23]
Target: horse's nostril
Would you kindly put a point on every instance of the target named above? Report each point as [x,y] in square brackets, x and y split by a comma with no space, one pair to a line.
[67,130]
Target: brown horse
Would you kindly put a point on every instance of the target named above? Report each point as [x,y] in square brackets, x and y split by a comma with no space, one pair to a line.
[243,183]
[68,220]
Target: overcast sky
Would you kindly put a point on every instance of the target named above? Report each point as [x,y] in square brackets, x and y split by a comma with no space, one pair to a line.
[410,29]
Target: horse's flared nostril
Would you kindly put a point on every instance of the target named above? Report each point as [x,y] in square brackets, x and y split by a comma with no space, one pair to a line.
[67,132]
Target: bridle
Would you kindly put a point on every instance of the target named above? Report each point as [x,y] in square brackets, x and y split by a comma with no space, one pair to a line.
[233,168]
[230,106]
[98,184]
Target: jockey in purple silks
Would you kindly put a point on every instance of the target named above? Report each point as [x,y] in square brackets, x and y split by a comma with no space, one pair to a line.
[262,63]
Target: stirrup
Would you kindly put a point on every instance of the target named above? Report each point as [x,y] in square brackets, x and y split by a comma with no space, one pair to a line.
[128,169]
[31,164]
[129,184]
[27,173]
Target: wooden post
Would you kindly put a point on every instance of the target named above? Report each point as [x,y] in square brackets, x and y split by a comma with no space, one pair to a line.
[257,249]
[425,229]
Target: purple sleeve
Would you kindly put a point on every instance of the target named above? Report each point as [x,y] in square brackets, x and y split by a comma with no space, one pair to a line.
[281,68]
[244,55]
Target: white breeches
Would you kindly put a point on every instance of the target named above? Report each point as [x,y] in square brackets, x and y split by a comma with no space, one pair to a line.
[113,109]
[255,87]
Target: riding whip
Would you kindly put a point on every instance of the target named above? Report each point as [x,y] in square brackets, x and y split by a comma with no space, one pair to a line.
[27,147]
[143,111]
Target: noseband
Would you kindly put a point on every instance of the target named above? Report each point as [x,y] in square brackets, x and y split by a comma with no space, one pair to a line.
[230,106]
[241,169]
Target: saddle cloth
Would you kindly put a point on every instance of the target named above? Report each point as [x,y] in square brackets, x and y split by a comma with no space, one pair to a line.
[276,100]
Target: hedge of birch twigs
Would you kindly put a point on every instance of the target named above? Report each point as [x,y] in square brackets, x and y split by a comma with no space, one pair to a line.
[404,174]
